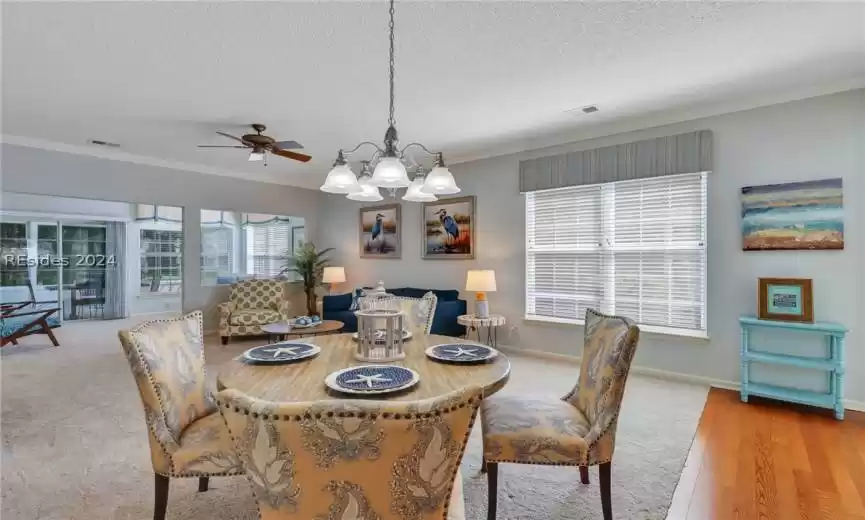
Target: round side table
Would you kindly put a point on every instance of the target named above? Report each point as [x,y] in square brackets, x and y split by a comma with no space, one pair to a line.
[476,323]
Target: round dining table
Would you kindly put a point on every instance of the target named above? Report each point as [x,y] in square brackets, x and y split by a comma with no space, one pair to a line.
[304,380]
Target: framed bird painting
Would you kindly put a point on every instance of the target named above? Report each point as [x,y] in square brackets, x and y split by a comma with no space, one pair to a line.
[381,231]
[449,229]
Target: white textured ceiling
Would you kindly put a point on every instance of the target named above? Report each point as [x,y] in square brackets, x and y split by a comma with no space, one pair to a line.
[472,78]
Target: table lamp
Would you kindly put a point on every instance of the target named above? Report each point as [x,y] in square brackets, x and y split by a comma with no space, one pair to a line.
[481,281]
[333,276]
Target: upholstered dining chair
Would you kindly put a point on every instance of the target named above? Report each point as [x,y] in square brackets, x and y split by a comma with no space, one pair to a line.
[251,304]
[188,438]
[577,430]
[353,459]
[419,312]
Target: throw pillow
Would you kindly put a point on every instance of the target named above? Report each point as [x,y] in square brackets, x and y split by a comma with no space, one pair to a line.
[355,305]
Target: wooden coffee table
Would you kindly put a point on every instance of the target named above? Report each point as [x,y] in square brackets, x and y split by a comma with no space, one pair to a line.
[281,329]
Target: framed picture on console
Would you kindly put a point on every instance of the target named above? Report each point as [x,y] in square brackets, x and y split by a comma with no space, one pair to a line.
[785,299]
[380,231]
[449,229]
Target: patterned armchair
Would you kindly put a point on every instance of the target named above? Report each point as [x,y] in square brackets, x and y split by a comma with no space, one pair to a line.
[352,459]
[419,312]
[252,303]
[577,430]
[187,437]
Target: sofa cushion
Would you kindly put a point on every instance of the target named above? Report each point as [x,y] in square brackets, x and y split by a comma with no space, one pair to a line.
[446,295]
[336,302]
[255,317]
[257,294]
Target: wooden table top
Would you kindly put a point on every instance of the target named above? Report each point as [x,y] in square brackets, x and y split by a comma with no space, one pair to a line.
[282,327]
[304,381]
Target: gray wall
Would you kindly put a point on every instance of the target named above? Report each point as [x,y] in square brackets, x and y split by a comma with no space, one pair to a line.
[810,139]
[37,171]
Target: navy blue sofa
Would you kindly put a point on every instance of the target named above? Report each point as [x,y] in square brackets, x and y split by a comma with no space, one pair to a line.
[448,307]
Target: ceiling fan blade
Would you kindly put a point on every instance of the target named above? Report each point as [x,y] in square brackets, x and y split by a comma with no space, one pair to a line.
[220,146]
[287,145]
[230,136]
[291,155]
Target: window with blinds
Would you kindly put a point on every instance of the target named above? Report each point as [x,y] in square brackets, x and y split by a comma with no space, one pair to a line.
[632,248]
[267,246]
[217,252]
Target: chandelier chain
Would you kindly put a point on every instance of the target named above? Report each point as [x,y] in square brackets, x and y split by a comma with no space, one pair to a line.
[391,120]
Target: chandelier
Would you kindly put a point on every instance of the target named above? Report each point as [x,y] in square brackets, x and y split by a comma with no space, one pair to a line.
[387,166]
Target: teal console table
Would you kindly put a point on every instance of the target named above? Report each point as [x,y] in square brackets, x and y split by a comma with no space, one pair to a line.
[833,365]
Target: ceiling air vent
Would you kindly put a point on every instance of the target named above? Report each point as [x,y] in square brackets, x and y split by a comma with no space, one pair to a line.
[103,143]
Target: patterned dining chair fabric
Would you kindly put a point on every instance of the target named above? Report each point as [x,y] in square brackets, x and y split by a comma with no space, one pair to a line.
[419,312]
[576,430]
[352,459]
[252,303]
[187,436]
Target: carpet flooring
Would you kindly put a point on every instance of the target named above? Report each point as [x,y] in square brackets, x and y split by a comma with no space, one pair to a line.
[75,446]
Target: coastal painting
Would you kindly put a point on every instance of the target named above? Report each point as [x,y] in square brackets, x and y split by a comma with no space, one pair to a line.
[449,229]
[798,215]
[380,231]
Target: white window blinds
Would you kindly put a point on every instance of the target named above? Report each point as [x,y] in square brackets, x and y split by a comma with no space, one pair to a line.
[631,248]
[267,246]
[217,251]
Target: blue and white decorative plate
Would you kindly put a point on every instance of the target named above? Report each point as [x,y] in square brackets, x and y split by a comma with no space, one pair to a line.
[461,353]
[282,352]
[380,334]
[372,379]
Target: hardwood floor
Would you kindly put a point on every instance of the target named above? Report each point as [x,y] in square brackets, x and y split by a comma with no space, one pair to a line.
[770,460]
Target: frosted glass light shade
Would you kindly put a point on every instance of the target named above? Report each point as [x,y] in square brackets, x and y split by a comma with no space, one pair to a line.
[368,193]
[440,182]
[256,156]
[414,194]
[341,180]
[390,173]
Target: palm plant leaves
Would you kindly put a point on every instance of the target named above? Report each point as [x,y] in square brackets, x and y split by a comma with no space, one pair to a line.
[308,263]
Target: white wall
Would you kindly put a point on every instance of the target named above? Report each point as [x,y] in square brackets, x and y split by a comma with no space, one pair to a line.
[36,171]
[810,139]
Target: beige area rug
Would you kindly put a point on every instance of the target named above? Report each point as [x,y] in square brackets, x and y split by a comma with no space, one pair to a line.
[75,445]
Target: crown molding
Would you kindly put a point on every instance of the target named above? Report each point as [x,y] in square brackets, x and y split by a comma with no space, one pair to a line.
[118,155]
[564,136]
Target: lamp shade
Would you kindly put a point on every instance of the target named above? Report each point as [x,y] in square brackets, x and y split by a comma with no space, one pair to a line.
[333,275]
[440,181]
[368,193]
[390,173]
[341,180]
[414,194]
[481,280]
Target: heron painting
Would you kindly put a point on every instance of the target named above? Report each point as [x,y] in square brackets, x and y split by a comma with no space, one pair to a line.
[380,231]
[449,228]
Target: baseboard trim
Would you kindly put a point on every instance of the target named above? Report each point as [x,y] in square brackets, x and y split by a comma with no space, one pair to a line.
[849,404]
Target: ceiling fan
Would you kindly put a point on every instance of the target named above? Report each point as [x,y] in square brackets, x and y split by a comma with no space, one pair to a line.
[259,144]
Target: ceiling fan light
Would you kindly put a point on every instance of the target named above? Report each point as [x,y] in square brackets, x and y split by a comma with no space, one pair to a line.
[390,173]
[256,155]
[440,181]
[368,193]
[414,194]
[341,180]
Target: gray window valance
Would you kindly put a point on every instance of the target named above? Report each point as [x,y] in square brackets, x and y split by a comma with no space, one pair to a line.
[671,155]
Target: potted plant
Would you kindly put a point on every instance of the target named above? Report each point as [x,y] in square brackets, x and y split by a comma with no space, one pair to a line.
[309,264]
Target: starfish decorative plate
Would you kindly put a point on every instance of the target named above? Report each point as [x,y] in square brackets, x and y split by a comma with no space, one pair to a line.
[372,379]
[283,352]
[461,353]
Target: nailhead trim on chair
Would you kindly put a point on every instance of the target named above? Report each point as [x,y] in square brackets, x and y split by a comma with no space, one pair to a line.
[199,316]
[474,402]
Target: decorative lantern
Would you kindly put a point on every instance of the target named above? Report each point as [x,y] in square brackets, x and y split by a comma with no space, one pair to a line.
[379,335]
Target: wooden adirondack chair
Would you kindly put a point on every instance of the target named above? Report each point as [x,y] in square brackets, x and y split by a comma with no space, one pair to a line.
[19,319]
